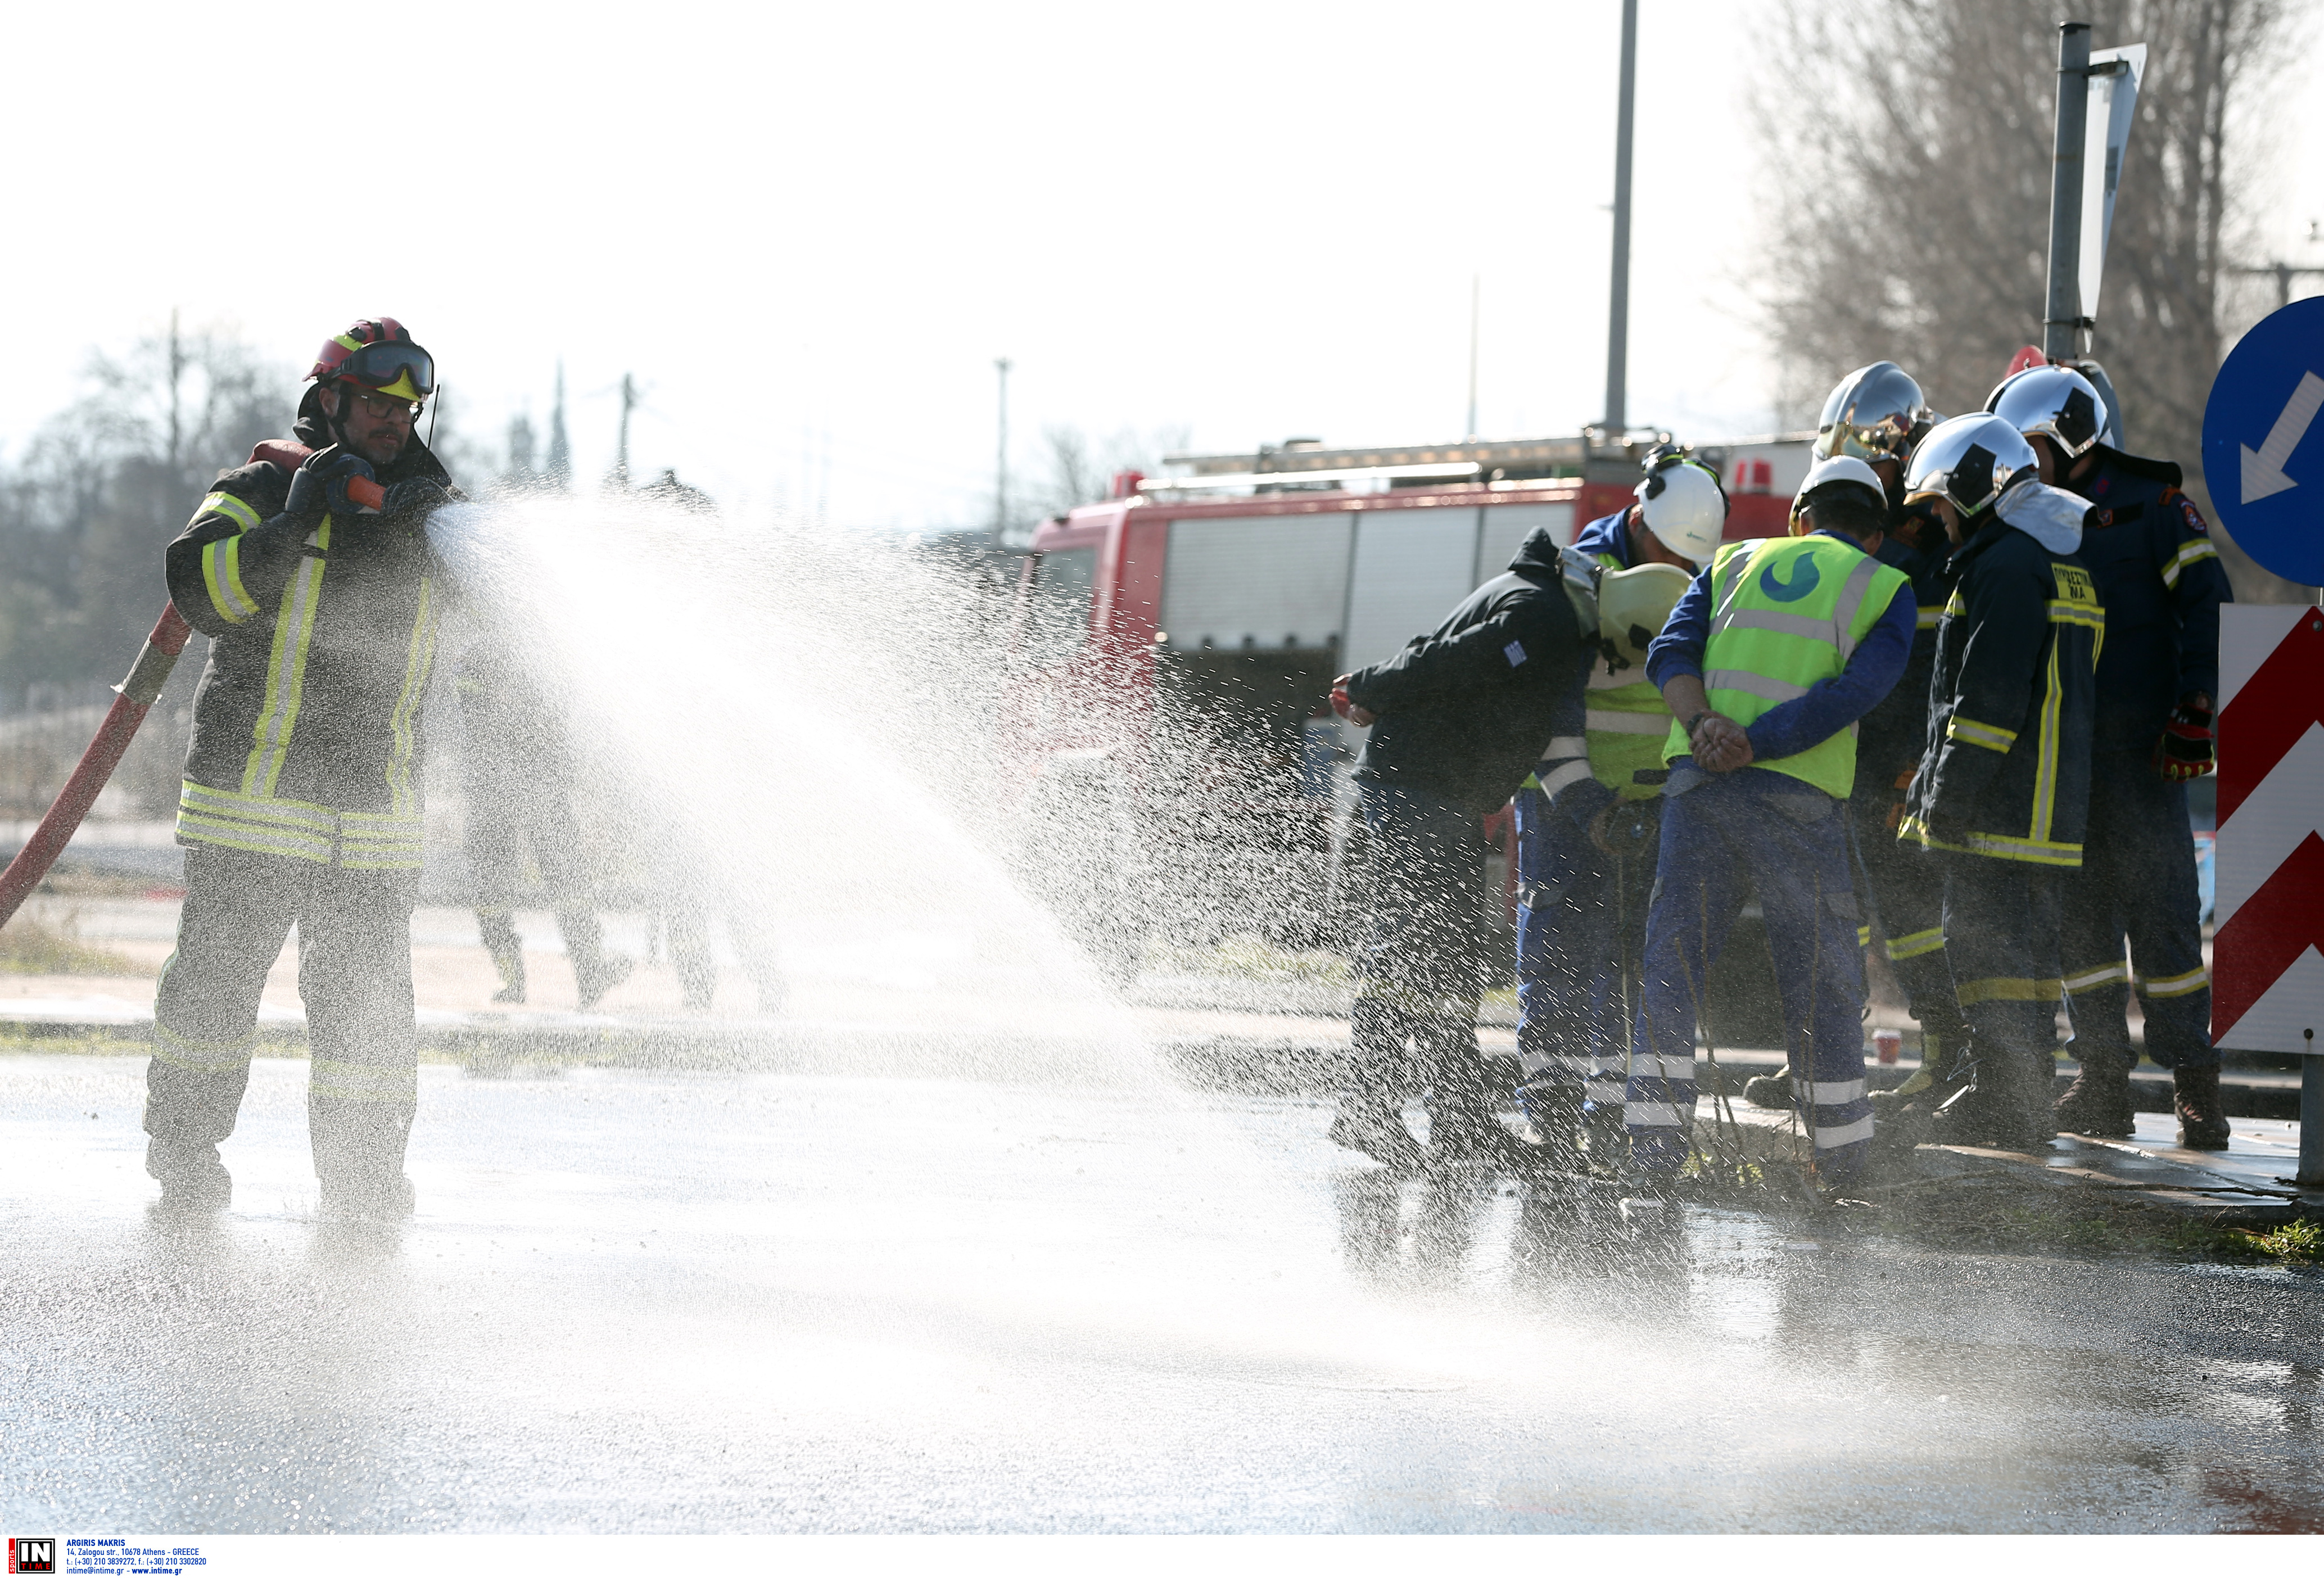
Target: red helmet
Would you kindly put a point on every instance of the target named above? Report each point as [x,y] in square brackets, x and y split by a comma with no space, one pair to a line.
[379,354]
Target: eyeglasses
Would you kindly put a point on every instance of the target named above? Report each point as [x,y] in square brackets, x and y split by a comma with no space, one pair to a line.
[380,408]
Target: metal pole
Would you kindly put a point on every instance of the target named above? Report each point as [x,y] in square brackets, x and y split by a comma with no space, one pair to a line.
[2311,1117]
[1000,466]
[1476,284]
[2059,324]
[1617,324]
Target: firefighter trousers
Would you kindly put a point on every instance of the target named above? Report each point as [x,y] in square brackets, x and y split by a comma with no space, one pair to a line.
[355,977]
[1904,895]
[2137,885]
[1420,969]
[1581,927]
[505,820]
[2001,940]
[1724,838]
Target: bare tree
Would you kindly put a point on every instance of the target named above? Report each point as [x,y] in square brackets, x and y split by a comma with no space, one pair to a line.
[1081,469]
[1911,157]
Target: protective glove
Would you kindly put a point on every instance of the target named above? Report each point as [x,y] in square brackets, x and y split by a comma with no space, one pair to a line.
[2187,748]
[319,487]
[413,498]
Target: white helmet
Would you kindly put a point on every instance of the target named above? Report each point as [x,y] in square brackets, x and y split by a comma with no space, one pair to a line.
[2057,402]
[1841,472]
[1684,505]
[1971,460]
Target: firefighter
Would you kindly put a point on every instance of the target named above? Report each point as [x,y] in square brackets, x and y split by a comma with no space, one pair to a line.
[518,767]
[1676,517]
[1768,662]
[1574,948]
[301,795]
[2150,554]
[1458,718]
[2003,781]
[1876,414]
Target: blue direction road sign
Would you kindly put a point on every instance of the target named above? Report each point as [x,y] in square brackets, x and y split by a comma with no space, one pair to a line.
[2264,448]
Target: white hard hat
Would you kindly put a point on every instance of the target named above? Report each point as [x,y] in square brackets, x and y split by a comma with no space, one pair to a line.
[2057,402]
[1842,471]
[1971,460]
[1684,505]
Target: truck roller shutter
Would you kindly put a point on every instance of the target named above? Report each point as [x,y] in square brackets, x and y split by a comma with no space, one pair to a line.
[1411,567]
[1507,526]
[1272,579]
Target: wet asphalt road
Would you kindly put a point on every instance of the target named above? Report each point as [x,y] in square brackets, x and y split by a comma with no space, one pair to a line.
[718,1303]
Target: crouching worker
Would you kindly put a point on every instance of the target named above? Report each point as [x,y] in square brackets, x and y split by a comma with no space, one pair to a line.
[1768,661]
[1458,719]
[302,795]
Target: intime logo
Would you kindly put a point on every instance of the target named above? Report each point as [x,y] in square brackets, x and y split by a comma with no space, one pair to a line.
[32,1555]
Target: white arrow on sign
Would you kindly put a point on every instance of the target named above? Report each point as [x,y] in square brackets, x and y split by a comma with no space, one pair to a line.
[2264,471]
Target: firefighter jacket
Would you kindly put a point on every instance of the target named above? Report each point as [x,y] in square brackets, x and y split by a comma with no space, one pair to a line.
[1465,711]
[306,724]
[2158,573]
[1890,736]
[1786,618]
[2005,770]
[1628,717]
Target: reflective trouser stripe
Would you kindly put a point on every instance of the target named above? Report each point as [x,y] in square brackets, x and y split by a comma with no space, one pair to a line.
[1845,1134]
[363,1082]
[1658,1114]
[1567,1070]
[1916,944]
[2085,980]
[1647,1065]
[2008,988]
[2195,980]
[1830,1092]
[201,1057]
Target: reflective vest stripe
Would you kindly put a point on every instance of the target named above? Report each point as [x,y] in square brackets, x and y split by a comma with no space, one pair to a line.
[225,503]
[2189,553]
[222,575]
[286,671]
[1969,732]
[1629,722]
[1851,604]
[1751,684]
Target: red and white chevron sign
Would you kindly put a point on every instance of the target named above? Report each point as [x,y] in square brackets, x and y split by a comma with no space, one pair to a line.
[2267,955]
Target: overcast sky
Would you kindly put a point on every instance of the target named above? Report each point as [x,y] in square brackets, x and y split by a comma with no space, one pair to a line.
[809,231]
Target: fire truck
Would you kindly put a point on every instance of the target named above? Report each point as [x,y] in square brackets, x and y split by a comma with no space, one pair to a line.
[1165,722]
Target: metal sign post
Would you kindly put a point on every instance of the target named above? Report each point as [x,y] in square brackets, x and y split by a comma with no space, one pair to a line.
[2064,315]
[2112,83]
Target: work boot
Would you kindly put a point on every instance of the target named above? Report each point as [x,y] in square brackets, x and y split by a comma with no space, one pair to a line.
[191,1176]
[599,975]
[1375,1128]
[1469,1132]
[2202,1120]
[2099,1103]
[1771,1091]
[1553,1111]
[368,1201]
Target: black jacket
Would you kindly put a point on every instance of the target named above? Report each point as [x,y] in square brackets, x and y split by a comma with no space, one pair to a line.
[1890,737]
[307,721]
[1464,712]
[2005,770]
[2150,551]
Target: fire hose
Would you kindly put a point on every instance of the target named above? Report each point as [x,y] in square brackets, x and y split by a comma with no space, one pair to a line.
[135,695]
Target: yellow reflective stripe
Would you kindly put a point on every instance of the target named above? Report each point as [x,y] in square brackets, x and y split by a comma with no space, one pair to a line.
[1969,732]
[201,1057]
[2097,976]
[2194,979]
[2081,613]
[1929,617]
[302,814]
[2189,553]
[1956,604]
[2045,760]
[362,1082]
[222,575]
[257,839]
[286,828]
[2009,989]
[2040,852]
[346,342]
[416,664]
[1914,945]
[232,508]
[1863,936]
[286,672]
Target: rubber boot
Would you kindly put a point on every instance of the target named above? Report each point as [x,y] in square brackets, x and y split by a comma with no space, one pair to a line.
[2202,1118]
[2099,1103]
[191,1176]
[498,928]
[1463,1124]
[358,1148]
[1552,1109]
[1370,1118]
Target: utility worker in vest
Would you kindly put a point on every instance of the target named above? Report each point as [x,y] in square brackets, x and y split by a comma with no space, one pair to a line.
[1768,662]
[1572,955]
[302,797]
[1877,414]
[2003,781]
[2150,554]
[1676,518]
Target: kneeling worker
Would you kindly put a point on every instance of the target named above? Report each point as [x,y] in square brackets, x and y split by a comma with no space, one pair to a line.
[1768,661]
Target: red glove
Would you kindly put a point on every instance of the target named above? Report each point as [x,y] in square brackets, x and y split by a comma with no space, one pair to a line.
[1339,702]
[2188,749]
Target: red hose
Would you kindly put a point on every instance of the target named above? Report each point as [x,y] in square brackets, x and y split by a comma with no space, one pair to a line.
[137,693]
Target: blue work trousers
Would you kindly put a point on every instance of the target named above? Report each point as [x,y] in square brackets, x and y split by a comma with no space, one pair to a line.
[2137,885]
[1725,837]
